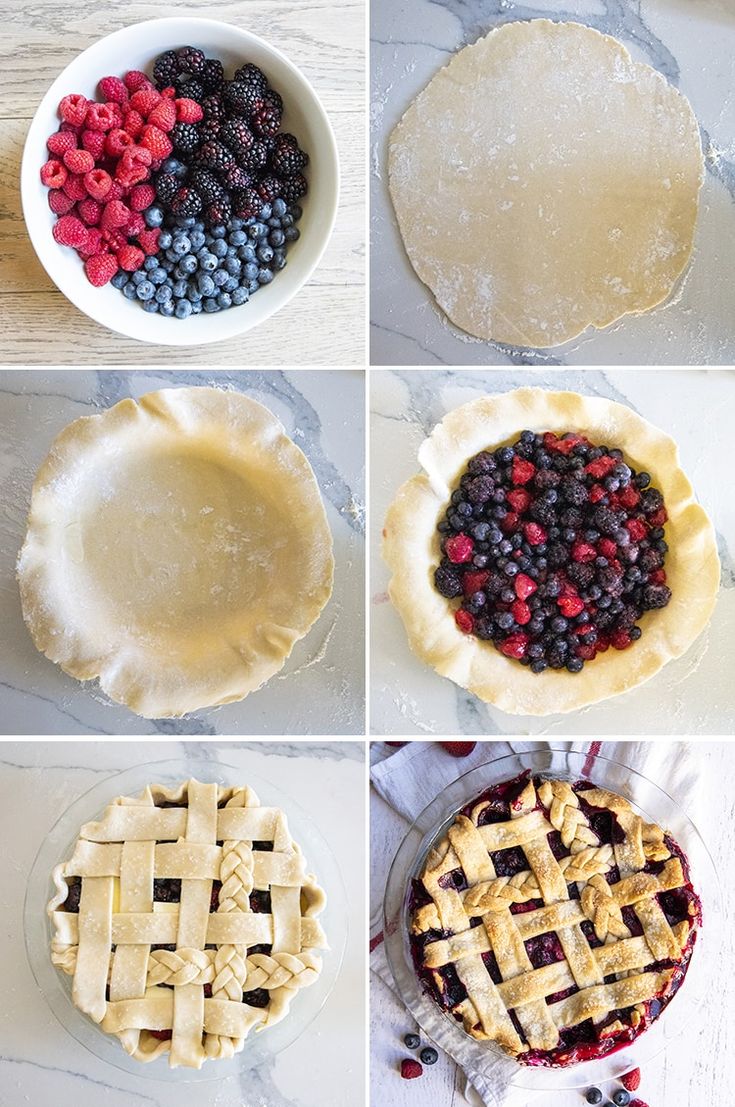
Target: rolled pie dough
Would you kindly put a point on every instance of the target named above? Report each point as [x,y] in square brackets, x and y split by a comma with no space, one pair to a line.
[177,548]
[544,182]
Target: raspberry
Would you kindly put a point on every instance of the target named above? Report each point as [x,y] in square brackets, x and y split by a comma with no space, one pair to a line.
[658,576]
[117,192]
[188,111]
[78,161]
[114,90]
[587,653]
[94,143]
[115,214]
[459,548]
[114,240]
[69,231]
[157,141]
[53,173]
[130,258]
[570,606]
[148,240]
[59,202]
[70,128]
[620,639]
[100,269]
[145,101]
[92,243]
[134,80]
[522,471]
[163,115]
[135,225]
[658,518]
[521,612]
[597,493]
[515,645]
[458,749]
[601,466]
[632,1080]
[141,197]
[524,586]
[73,109]
[61,142]
[637,529]
[90,211]
[117,141]
[534,534]
[509,523]
[582,551]
[519,499]
[563,445]
[638,1103]
[630,497]
[464,621]
[607,548]
[98,183]
[410,1069]
[75,187]
[102,117]
[133,123]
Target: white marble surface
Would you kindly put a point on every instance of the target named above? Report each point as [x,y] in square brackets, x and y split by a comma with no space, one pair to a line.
[696,407]
[699,1069]
[320,690]
[693,45]
[40,1063]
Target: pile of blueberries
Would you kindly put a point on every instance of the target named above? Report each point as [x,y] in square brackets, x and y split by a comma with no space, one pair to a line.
[209,269]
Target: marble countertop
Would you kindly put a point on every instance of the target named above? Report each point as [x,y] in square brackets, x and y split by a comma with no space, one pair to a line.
[694,47]
[698,1069]
[696,407]
[320,690]
[42,1063]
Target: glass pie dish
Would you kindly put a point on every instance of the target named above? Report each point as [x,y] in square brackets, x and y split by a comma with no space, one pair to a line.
[483,1060]
[57,987]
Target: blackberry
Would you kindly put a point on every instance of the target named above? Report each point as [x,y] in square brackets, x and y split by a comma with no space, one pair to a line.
[215,155]
[185,137]
[191,60]
[219,211]
[166,186]
[249,74]
[235,177]
[246,203]
[651,501]
[581,574]
[650,560]
[190,87]
[573,491]
[480,489]
[209,129]
[166,69]
[265,119]
[541,512]
[254,158]
[212,75]
[207,185]
[655,595]
[287,159]
[236,134]
[294,188]
[186,202]
[448,582]
[606,521]
[274,99]
[240,98]
[213,108]
[270,188]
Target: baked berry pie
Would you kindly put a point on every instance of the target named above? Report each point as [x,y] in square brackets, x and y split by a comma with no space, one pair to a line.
[552,554]
[552,919]
[186,918]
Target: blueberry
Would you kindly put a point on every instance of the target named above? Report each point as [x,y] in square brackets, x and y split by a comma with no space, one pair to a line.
[198,239]
[138,277]
[246,253]
[219,231]
[279,260]
[265,276]
[145,291]
[287,221]
[251,271]
[237,238]
[575,664]
[621,1098]
[219,248]
[296,212]
[265,253]
[129,290]
[153,216]
[164,240]
[166,308]
[258,230]
[181,245]
[429,1055]
[150,306]
[208,262]
[188,264]
[412,1041]
[276,238]
[196,308]
[183,309]
[164,293]
[253,286]
[292,233]
[193,294]
[172,165]
[211,305]
[180,289]
[205,284]
[266,211]
[279,207]
[120,279]
[594,1095]
[239,296]
[230,284]
[224,300]
[232,266]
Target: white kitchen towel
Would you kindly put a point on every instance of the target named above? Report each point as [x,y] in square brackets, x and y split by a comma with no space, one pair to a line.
[412,777]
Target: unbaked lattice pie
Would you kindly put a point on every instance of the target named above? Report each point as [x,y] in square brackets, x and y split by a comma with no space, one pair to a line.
[554,920]
[186,918]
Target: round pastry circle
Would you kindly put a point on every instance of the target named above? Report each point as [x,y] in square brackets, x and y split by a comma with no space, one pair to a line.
[411,550]
[544,182]
[177,548]
[245,924]
[534,857]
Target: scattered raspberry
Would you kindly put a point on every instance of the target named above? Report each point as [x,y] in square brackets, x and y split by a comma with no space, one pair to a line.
[587,653]
[459,548]
[145,101]
[515,645]
[459,749]
[620,639]
[133,123]
[473,582]
[636,529]
[522,471]
[98,183]
[94,142]
[61,142]
[141,197]
[509,523]
[115,214]
[114,90]
[410,1069]
[582,551]
[116,142]
[73,109]
[102,117]
[607,548]
[163,115]
[630,497]
[658,518]
[638,1103]
[53,173]
[130,258]
[563,445]
[521,612]
[188,111]
[69,231]
[597,493]
[519,499]
[464,621]
[59,202]
[134,80]
[75,187]
[534,534]
[148,240]
[155,140]
[100,269]
[92,243]
[632,1080]
[135,225]
[524,586]
[90,211]
[601,466]
[570,606]
[78,161]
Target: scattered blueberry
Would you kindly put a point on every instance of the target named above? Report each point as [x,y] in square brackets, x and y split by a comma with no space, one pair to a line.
[621,1098]
[594,1095]
[429,1055]
[412,1041]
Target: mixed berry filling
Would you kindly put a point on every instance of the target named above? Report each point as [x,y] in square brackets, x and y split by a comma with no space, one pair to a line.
[589,1039]
[182,190]
[555,548]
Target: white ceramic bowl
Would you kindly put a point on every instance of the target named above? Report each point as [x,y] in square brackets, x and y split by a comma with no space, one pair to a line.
[136,47]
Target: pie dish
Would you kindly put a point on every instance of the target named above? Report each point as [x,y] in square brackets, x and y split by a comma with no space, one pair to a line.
[569,592]
[552,919]
[177,548]
[186,918]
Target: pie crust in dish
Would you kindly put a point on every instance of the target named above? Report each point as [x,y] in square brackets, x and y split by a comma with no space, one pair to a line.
[186,918]
[411,549]
[545,182]
[553,919]
[177,548]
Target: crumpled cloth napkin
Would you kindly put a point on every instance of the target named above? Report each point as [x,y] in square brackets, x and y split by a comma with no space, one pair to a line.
[413,776]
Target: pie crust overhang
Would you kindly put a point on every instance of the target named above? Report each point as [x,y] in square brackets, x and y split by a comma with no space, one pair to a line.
[545,182]
[177,548]
[206,833]
[411,550]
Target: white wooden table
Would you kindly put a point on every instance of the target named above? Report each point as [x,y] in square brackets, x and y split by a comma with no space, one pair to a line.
[324,323]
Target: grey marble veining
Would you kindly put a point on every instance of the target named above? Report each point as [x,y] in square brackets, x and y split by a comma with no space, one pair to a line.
[697,408]
[693,45]
[320,690]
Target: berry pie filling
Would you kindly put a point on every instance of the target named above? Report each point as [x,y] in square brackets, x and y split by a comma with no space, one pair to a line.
[555,549]
[553,920]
